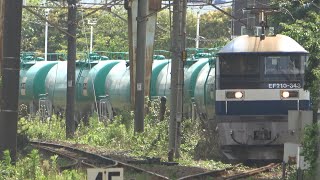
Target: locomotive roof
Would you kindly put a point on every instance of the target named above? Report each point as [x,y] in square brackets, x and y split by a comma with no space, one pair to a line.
[271,44]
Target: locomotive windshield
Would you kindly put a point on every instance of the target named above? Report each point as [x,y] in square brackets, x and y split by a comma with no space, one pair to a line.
[257,71]
[239,65]
[283,65]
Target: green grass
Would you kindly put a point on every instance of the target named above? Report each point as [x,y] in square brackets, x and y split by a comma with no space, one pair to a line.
[119,135]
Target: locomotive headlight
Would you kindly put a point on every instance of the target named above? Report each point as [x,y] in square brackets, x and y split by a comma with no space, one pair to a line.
[234,94]
[285,94]
[238,95]
[289,94]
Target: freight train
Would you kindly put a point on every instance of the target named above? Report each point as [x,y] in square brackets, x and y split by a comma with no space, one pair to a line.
[102,85]
[245,92]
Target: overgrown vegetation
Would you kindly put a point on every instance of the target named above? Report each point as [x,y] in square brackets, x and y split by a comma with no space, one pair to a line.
[118,135]
[310,150]
[300,20]
[32,167]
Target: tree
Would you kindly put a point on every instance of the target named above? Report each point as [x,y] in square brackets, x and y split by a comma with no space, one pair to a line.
[214,27]
[304,28]
[110,32]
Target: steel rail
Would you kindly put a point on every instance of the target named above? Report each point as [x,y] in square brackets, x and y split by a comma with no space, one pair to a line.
[222,173]
[215,173]
[251,172]
[109,161]
[74,164]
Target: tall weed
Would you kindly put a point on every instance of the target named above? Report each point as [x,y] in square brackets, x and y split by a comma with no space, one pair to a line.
[33,168]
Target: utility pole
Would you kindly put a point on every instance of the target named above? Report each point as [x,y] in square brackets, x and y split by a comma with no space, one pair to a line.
[91,37]
[180,83]
[1,39]
[91,22]
[140,65]
[46,11]
[198,25]
[177,48]
[10,60]
[198,29]
[72,49]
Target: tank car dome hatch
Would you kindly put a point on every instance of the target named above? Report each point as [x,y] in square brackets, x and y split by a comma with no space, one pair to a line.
[271,44]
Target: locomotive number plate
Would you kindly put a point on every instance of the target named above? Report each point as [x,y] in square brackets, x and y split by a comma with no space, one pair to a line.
[284,86]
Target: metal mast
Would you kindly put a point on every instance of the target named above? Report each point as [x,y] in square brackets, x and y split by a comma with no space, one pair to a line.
[46,32]
[72,48]
[178,54]
[140,66]
[11,13]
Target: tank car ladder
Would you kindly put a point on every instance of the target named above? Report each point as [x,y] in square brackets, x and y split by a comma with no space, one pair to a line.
[105,111]
[45,107]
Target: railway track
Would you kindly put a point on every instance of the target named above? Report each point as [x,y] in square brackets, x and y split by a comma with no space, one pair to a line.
[229,174]
[87,159]
[83,159]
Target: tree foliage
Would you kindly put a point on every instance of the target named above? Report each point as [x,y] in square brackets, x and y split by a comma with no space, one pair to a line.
[214,28]
[304,28]
[111,32]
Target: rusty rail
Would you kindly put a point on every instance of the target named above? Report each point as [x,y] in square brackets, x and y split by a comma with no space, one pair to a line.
[252,172]
[222,173]
[52,147]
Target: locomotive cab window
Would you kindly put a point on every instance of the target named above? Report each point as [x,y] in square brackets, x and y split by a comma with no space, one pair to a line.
[238,71]
[240,65]
[283,65]
[254,70]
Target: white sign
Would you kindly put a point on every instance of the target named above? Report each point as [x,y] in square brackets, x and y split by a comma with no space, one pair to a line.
[23,86]
[96,174]
[105,174]
[70,83]
[290,152]
[114,174]
[139,86]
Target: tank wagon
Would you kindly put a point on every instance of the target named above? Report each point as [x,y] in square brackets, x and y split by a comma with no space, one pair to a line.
[199,89]
[101,85]
[32,83]
[56,88]
[257,81]
[96,89]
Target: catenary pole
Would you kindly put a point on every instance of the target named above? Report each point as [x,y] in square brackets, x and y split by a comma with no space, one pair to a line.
[10,61]
[72,47]
[140,65]
[180,79]
[91,37]
[198,29]
[176,56]
[46,33]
